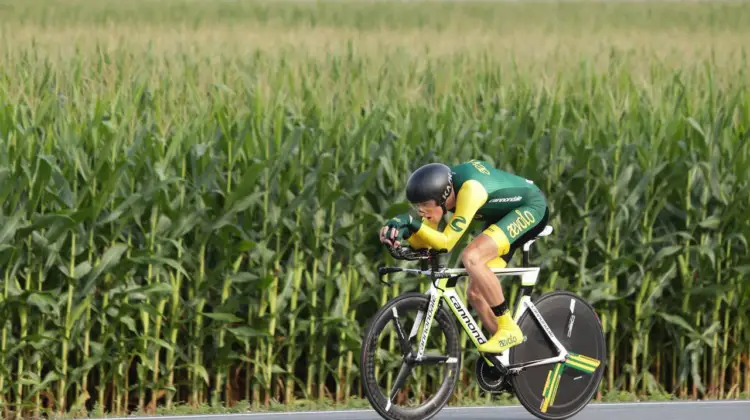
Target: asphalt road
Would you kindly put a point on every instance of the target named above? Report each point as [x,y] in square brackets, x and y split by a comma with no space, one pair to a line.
[699,410]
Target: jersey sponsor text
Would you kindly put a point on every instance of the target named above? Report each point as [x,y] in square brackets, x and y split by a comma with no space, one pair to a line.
[478,165]
[506,199]
[522,222]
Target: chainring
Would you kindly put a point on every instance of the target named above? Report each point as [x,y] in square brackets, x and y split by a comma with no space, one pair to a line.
[489,378]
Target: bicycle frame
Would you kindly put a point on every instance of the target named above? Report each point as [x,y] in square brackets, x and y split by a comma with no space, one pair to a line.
[443,288]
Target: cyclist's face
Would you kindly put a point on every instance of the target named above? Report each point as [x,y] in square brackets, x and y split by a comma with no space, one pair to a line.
[429,210]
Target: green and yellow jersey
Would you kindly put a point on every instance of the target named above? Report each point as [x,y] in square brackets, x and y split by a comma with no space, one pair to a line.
[510,205]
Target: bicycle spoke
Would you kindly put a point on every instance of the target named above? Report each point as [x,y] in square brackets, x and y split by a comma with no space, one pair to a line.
[405,346]
[582,363]
[403,374]
[551,386]
[393,379]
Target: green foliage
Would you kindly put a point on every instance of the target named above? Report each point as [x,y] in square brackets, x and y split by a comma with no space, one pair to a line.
[195,222]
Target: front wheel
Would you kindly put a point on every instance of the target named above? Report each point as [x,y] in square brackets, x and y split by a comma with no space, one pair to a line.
[559,391]
[397,385]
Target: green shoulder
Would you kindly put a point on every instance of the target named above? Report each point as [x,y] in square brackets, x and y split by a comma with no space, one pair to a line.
[477,170]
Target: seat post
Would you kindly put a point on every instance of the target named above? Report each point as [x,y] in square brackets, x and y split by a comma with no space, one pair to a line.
[527,245]
[526,251]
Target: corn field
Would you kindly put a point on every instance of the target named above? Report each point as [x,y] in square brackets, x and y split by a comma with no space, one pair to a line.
[192,190]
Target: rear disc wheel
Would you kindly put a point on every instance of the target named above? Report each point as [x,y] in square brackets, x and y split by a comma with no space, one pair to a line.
[559,391]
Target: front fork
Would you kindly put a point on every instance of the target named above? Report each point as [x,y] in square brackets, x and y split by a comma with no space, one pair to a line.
[436,295]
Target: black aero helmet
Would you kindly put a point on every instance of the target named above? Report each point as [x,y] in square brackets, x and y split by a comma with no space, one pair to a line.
[433,181]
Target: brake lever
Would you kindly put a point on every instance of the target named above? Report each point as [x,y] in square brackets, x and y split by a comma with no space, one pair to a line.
[383,271]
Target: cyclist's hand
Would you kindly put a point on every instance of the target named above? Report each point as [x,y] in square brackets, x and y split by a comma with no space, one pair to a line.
[399,227]
[390,236]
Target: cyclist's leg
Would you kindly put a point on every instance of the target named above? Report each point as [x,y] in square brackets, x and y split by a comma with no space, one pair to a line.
[475,291]
[484,290]
[476,297]
[501,261]
[508,233]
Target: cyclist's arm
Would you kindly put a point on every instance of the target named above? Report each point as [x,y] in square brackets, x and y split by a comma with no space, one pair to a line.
[419,243]
[469,199]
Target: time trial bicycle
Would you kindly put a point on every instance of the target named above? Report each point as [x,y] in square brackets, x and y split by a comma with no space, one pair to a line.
[554,373]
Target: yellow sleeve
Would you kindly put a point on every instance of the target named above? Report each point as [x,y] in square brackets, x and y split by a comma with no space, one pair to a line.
[419,243]
[469,199]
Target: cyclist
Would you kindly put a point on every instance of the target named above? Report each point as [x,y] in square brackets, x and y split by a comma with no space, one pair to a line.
[513,210]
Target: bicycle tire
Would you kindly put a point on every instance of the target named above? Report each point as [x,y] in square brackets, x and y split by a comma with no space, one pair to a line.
[443,319]
[577,326]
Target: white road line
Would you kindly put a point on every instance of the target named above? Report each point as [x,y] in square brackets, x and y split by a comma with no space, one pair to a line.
[667,403]
[502,407]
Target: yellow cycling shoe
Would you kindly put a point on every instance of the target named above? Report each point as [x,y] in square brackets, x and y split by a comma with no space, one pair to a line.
[507,336]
